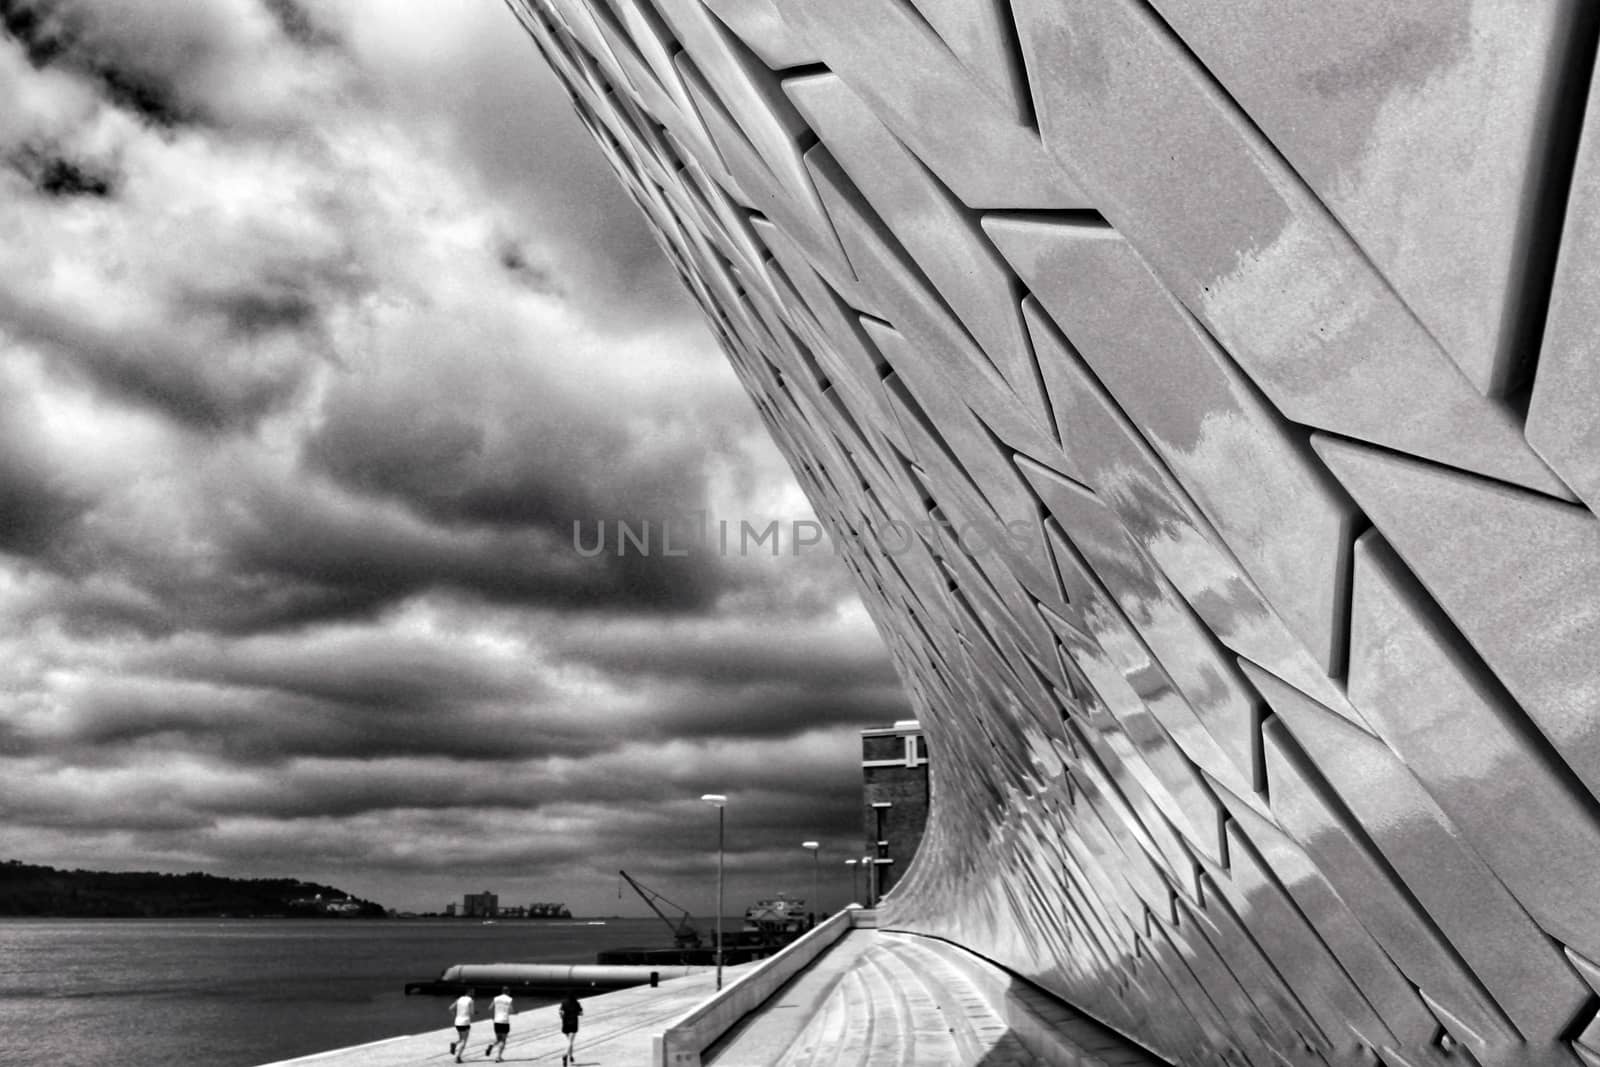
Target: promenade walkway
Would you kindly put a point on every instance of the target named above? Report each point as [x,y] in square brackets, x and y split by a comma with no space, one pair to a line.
[876,999]
[616,1031]
[868,998]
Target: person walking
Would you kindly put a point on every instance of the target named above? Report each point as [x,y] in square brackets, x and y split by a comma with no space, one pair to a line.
[463,1008]
[502,1023]
[570,1010]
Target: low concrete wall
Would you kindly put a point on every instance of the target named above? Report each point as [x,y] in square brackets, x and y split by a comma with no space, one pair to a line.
[693,1032]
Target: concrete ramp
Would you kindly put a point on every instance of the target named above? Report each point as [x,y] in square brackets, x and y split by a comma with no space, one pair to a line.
[887,999]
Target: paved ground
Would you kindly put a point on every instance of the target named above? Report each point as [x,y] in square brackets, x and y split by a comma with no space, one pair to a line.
[615,1032]
[876,999]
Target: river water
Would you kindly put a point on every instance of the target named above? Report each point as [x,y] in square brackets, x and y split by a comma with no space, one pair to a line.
[233,993]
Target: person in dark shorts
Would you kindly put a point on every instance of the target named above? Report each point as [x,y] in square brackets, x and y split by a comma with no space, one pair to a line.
[570,1010]
[462,1009]
[502,1023]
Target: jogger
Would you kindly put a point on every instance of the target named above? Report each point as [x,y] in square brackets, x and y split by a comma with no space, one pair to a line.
[502,1023]
[570,1010]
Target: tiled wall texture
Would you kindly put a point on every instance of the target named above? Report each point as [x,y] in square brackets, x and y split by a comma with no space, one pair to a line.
[1208,398]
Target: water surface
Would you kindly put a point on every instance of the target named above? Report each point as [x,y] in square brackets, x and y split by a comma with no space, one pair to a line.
[237,992]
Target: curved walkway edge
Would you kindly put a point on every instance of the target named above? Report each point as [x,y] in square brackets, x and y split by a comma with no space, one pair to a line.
[854,996]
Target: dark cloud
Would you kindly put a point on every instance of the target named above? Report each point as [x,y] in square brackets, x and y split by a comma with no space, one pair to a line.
[55,175]
[360,668]
[153,816]
[209,354]
[518,263]
[65,33]
[156,371]
[778,791]
[637,808]
[264,729]
[320,325]
[385,822]
[778,710]
[315,559]
[30,24]
[39,507]
[288,300]
[299,24]
[361,693]
[499,108]
[731,655]
[34,514]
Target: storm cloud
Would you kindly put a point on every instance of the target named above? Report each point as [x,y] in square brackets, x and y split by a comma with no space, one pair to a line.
[320,328]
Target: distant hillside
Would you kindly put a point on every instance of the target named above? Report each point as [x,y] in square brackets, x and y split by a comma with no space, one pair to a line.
[44,891]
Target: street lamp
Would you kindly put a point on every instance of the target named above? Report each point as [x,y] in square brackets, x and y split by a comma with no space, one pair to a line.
[815,848]
[717,800]
[855,880]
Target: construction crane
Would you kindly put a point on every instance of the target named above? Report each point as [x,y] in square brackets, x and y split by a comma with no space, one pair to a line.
[684,935]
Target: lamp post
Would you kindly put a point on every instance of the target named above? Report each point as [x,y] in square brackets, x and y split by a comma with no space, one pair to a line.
[718,801]
[815,848]
[855,880]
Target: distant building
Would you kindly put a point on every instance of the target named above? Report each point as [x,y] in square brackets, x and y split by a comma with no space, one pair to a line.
[484,905]
[894,771]
[540,910]
[450,910]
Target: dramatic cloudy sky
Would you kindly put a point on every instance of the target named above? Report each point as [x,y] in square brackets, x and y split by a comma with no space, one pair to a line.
[320,323]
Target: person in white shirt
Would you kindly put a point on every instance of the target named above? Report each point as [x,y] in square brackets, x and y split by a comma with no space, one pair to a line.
[463,1009]
[502,1023]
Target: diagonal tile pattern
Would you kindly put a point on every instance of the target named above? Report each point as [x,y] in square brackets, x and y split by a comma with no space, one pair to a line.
[1204,399]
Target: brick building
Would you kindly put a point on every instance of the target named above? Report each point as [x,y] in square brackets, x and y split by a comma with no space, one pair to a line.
[894,771]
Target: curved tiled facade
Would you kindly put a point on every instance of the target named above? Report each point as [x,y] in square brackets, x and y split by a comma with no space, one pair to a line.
[1207,399]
